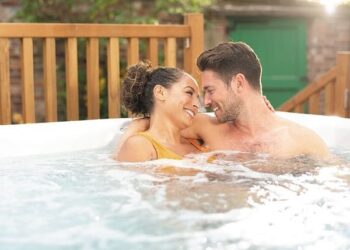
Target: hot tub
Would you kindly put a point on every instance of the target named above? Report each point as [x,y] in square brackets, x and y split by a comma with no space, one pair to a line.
[60,189]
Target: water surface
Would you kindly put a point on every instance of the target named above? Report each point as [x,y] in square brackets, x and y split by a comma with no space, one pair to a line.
[86,200]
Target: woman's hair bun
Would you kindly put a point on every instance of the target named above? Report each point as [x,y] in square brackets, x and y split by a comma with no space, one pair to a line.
[134,84]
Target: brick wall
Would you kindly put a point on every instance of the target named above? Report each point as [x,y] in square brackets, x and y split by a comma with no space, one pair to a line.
[326,36]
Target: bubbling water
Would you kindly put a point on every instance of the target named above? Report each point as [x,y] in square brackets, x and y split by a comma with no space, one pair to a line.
[86,200]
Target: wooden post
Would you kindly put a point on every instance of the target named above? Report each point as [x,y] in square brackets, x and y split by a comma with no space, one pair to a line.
[113,66]
[93,78]
[72,94]
[329,98]
[299,108]
[195,45]
[133,51]
[28,81]
[5,101]
[170,52]
[314,103]
[342,89]
[133,55]
[50,85]
[152,51]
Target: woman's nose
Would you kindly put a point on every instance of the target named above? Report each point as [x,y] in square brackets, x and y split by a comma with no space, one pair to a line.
[196,103]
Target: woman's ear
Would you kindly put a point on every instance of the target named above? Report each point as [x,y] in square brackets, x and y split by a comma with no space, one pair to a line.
[160,93]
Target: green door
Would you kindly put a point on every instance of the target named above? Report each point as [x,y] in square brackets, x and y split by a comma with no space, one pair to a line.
[281,47]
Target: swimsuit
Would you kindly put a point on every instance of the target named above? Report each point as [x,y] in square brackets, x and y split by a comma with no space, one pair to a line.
[163,152]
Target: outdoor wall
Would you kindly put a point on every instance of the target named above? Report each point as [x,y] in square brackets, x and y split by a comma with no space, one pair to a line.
[326,34]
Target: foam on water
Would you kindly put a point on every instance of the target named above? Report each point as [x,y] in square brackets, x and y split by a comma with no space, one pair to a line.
[86,200]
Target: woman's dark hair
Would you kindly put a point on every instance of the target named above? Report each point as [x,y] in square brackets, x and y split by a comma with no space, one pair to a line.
[139,82]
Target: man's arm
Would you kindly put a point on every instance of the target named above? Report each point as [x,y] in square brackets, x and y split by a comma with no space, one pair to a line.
[197,129]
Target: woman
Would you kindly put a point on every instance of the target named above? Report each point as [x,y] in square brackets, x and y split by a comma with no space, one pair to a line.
[169,97]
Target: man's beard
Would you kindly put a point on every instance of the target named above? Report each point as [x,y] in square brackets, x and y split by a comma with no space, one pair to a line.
[230,112]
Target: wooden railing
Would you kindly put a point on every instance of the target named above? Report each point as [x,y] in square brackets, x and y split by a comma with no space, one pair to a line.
[329,95]
[191,32]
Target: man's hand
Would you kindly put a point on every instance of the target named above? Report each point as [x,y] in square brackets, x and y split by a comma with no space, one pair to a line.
[268,104]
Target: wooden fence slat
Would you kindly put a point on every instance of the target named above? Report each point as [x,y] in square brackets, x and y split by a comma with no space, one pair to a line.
[93,87]
[170,52]
[59,30]
[133,51]
[50,85]
[152,51]
[342,84]
[299,108]
[133,54]
[329,98]
[5,95]
[305,93]
[314,103]
[195,45]
[28,107]
[72,94]
[113,65]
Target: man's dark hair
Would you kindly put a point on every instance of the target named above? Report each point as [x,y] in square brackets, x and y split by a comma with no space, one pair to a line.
[230,58]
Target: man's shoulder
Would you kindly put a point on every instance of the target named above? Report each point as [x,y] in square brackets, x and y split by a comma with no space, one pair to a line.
[308,140]
[296,129]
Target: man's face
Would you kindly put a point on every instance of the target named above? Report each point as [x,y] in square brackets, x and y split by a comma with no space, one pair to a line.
[220,97]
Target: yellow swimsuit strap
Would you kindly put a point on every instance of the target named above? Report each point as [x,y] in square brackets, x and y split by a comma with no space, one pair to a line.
[199,147]
[162,151]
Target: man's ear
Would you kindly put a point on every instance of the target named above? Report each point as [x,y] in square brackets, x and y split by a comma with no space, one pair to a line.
[160,93]
[238,82]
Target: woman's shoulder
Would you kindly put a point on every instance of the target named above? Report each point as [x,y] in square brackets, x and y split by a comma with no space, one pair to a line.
[140,141]
[137,148]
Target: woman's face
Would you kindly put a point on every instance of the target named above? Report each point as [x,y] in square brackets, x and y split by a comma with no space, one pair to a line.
[182,102]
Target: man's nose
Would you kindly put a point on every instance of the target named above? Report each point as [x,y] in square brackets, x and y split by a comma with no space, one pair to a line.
[207,100]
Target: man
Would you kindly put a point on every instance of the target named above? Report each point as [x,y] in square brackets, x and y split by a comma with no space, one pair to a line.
[231,81]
